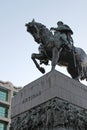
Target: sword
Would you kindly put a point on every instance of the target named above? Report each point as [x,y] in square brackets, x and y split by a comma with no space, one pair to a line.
[74,57]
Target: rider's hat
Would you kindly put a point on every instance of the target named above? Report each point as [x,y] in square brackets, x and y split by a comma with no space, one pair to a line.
[60,22]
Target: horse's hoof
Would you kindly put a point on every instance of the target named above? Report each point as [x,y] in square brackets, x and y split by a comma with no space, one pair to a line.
[42,70]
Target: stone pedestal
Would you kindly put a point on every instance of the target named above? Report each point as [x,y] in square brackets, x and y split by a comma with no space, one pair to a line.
[52,102]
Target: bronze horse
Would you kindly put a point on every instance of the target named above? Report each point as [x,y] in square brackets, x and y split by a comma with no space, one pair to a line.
[74,59]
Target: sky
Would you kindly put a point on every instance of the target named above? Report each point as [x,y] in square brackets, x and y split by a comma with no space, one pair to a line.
[17,45]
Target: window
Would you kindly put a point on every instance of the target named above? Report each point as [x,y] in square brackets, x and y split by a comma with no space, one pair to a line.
[3,111]
[14,93]
[3,126]
[3,95]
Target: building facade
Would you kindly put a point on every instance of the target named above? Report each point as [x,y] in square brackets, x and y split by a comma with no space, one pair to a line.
[7,91]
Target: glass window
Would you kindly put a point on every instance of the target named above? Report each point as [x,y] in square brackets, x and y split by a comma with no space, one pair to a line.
[3,126]
[14,93]
[3,95]
[3,111]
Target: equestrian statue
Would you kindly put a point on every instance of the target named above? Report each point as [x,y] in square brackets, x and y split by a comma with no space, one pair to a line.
[56,45]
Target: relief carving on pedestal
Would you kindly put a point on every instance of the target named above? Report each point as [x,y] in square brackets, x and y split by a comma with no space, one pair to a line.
[56,114]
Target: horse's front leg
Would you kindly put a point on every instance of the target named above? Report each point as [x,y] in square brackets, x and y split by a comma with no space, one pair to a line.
[39,57]
[55,57]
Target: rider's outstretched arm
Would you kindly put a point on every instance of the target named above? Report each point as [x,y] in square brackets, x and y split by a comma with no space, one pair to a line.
[53,28]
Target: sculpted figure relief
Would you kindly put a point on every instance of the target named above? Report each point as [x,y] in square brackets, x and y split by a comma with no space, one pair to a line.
[55,114]
[58,47]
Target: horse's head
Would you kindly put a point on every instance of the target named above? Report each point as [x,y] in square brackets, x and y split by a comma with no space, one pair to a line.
[33,28]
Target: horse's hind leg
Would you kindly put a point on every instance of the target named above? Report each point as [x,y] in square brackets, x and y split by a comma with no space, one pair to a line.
[39,57]
[73,72]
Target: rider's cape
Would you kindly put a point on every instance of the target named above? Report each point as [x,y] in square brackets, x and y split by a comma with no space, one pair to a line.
[65,28]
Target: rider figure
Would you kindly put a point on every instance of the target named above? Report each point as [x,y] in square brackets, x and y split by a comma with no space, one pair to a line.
[63,28]
[62,36]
